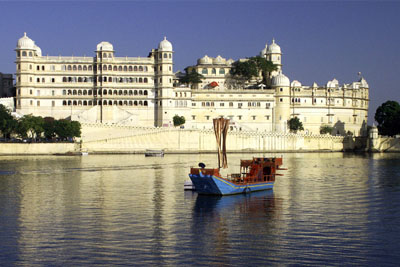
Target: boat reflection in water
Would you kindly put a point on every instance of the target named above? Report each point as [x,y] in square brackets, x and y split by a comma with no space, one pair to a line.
[219,222]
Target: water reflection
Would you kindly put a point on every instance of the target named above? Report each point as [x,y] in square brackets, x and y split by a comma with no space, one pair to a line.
[121,209]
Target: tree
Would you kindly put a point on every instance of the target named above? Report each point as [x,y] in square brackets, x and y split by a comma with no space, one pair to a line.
[191,77]
[387,116]
[31,126]
[295,125]
[252,68]
[178,120]
[7,122]
[325,129]
[67,129]
[49,128]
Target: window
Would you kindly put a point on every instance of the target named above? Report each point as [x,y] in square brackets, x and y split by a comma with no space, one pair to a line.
[52,93]
[254,118]
[207,117]
[213,71]
[53,103]
[280,99]
[53,80]
[221,71]
[193,117]
[221,104]
[38,103]
[204,71]
[281,89]
[231,104]
[240,117]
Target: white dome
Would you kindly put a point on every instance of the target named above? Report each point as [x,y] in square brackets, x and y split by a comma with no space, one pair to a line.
[105,46]
[165,45]
[219,60]
[25,43]
[280,80]
[38,51]
[333,84]
[315,85]
[204,60]
[230,61]
[274,48]
[295,83]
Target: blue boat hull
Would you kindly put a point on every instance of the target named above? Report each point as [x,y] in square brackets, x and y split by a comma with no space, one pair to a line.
[213,185]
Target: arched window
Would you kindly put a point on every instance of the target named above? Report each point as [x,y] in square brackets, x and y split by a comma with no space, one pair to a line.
[110,55]
[110,92]
[145,80]
[89,102]
[135,103]
[130,103]
[37,67]
[30,54]
[145,103]
[120,68]
[145,68]
[84,92]
[115,92]
[74,103]
[105,102]
[74,92]
[145,92]
[109,67]
[130,92]
[90,68]
[170,55]
[140,80]
[165,55]
[125,68]
[140,68]
[42,80]
[64,102]
[140,103]
[79,80]
[69,67]
[99,102]
[104,92]
[115,103]
[69,103]
[24,54]
[64,92]
[84,68]
[104,67]
[79,103]
[89,92]
[135,68]
[115,68]
[85,103]
[110,102]
[74,68]
[109,79]
[85,79]
[125,103]
[140,92]
[125,92]
[104,79]
[79,67]
[213,71]
[69,92]
[221,71]
[79,92]
[64,79]
[135,92]
[120,92]
[204,71]
[130,68]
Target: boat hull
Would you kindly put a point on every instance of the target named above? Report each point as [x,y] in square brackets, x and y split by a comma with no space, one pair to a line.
[214,185]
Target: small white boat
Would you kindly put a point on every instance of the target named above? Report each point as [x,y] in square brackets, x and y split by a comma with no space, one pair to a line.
[188,185]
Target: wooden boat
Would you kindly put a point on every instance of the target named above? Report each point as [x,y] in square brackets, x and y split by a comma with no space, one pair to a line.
[255,175]
[188,185]
[154,153]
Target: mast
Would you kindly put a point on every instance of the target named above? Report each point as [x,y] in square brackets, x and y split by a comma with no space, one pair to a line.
[221,127]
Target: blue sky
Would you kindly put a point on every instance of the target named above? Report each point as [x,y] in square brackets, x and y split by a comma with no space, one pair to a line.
[320,40]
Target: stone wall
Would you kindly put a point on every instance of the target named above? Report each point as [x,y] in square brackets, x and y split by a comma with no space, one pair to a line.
[37,148]
[114,139]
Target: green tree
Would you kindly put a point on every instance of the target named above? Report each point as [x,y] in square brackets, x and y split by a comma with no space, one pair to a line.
[31,126]
[191,78]
[387,116]
[178,120]
[252,68]
[295,125]
[67,129]
[7,122]
[325,129]
[49,128]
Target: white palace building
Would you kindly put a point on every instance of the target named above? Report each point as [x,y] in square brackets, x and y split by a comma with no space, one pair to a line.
[143,91]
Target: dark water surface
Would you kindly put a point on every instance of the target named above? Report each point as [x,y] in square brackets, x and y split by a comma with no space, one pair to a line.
[328,209]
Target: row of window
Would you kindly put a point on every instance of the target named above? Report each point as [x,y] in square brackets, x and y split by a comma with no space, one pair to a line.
[105,79]
[105,92]
[213,71]
[117,68]
[104,103]
[207,117]
[240,105]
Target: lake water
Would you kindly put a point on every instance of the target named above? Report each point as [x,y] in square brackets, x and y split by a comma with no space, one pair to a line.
[328,209]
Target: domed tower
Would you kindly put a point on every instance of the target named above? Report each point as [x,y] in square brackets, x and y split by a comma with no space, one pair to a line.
[263,52]
[163,81]
[281,84]
[274,54]
[105,51]
[27,53]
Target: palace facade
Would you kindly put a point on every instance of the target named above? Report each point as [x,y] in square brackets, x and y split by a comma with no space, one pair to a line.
[144,91]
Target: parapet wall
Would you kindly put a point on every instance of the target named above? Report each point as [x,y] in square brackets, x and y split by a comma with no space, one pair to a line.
[37,148]
[114,139]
